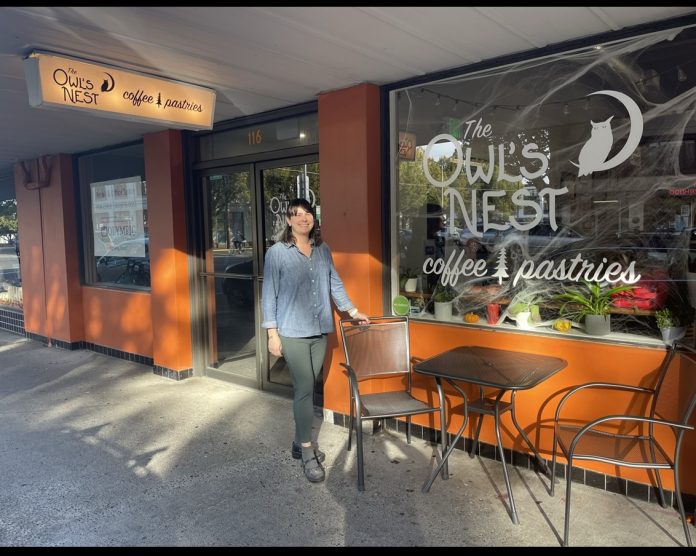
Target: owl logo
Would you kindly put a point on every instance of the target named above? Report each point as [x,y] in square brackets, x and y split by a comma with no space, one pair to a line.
[594,153]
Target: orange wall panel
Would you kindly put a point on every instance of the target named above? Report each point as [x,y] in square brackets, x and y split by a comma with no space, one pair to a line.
[48,247]
[170,309]
[118,319]
[349,162]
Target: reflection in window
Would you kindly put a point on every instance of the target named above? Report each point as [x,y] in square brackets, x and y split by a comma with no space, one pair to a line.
[113,195]
[10,277]
[518,183]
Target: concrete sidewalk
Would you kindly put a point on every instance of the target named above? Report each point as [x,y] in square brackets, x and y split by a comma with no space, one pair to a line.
[97,451]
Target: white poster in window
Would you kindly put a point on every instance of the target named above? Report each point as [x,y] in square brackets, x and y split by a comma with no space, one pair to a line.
[118,216]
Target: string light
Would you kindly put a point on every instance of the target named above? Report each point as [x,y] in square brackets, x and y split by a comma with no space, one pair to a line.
[566,110]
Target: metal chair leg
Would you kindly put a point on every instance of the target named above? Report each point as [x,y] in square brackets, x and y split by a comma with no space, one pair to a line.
[351,423]
[680,504]
[408,429]
[569,483]
[553,465]
[359,441]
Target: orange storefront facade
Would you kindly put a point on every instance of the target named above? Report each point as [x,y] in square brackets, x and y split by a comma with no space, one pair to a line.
[383,164]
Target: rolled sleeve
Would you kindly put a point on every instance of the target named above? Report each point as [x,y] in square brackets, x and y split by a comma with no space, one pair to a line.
[269,292]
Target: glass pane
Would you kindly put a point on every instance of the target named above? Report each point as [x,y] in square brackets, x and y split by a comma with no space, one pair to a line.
[229,255]
[113,191]
[10,279]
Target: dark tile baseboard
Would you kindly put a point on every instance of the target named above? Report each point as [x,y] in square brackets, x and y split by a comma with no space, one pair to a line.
[12,326]
[640,491]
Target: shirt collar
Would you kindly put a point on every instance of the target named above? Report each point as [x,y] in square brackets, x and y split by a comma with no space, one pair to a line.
[292,244]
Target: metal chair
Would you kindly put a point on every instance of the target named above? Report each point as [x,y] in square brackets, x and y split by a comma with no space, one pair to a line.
[635,440]
[381,349]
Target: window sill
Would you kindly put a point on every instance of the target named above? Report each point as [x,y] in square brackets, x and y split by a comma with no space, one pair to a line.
[572,334]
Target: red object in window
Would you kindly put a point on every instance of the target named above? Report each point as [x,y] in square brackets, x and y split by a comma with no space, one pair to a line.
[649,293]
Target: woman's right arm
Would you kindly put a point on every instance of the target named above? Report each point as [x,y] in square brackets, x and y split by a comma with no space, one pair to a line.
[271,283]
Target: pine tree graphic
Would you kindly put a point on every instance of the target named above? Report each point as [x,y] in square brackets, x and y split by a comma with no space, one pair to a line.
[159,99]
[501,267]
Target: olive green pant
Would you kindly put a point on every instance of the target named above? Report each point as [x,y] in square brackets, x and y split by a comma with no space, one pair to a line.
[305,357]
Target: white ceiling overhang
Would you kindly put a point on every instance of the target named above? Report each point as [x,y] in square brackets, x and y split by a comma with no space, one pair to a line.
[263,58]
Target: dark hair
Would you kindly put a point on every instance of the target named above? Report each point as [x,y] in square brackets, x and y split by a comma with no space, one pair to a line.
[291,211]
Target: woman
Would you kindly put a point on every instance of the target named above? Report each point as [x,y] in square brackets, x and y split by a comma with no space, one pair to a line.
[299,281]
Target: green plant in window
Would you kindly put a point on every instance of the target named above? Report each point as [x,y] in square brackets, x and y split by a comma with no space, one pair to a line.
[665,318]
[443,294]
[590,299]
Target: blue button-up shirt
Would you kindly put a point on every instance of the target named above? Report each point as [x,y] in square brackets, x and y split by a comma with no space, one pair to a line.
[297,291]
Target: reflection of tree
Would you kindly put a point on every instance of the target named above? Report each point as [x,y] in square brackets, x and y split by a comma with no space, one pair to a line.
[415,191]
[8,217]
[226,192]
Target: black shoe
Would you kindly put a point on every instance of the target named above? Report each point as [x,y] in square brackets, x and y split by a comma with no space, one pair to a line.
[297,452]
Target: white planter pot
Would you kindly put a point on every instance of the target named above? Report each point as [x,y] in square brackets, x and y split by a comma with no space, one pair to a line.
[672,334]
[522,320]
[443,310]
[598,325]
[410,284]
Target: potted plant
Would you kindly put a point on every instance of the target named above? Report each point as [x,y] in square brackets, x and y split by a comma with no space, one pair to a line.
[592,303]
[669,324]
[408,280]
[525,310]
[442,299]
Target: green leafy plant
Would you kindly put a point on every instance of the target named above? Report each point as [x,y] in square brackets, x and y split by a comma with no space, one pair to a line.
[591,300]
[666,318]
[524,301]
[442,294]
[406,274]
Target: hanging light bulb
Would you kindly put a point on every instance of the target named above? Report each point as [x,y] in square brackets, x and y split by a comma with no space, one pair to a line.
[566,110]
[681,74]
[437,101]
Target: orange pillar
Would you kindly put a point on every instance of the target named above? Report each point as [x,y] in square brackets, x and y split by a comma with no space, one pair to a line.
[351,217]
[171,325]
[49,258]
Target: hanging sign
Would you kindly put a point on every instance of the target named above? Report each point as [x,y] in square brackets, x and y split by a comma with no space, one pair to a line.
[61,82]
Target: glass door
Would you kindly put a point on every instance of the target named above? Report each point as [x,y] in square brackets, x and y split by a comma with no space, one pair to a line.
[238,231]
[279,185]
[229,275]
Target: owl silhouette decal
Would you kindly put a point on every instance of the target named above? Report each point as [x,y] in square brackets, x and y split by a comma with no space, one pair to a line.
[594,153]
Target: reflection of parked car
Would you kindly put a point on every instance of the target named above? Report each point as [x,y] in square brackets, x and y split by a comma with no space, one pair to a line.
[124,264]
[239,290]
[540,241]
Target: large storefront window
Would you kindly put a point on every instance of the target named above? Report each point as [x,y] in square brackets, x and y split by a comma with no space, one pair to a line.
[524,191]
[10,277]
[113,194]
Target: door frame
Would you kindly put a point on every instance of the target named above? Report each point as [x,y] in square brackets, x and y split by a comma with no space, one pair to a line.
[198,230]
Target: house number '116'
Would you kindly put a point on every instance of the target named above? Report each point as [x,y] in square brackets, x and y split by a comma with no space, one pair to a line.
[255,137]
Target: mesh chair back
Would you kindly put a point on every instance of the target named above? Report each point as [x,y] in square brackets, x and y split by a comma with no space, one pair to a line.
[676,389]
[380,348]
